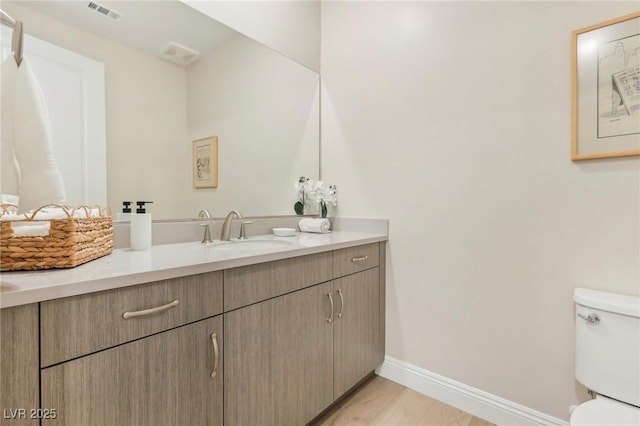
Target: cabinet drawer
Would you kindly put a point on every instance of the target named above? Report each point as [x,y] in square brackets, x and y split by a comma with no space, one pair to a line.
[355,259]
[250,284]
[79,325]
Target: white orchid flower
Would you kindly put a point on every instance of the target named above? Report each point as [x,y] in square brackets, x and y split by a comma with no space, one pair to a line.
[309,191]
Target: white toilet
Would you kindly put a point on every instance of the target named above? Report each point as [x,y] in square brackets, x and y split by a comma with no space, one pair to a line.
[608,357]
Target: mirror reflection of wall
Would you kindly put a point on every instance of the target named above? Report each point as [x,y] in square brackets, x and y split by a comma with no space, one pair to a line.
[263,107]
[264,110]
[291,28]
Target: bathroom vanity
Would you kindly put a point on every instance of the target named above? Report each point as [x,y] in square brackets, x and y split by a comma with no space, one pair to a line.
[196,335]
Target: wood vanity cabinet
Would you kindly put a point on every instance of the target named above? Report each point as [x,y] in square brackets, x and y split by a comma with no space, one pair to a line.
[356,329]
[150,354]
[273,343]
[19,381]
[165,379]
[289,357]
[279,359]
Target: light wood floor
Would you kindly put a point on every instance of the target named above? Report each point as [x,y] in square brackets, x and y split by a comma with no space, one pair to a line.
[382,402]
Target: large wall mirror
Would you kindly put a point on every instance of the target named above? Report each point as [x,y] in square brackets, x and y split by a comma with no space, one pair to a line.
[160,97]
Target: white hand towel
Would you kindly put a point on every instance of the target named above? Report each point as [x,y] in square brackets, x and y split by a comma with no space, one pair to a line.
[50,213]
[40,180]
[10,179]
[318,225]
[34,229]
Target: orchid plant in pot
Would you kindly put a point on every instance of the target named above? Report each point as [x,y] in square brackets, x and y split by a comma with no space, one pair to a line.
[314,191]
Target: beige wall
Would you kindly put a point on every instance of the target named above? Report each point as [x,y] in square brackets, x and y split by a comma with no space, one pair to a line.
[145,115]
[453,120]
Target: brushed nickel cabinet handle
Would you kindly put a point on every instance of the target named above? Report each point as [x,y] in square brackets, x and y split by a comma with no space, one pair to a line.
[359,259]
[216,354]
[151,311]
[341,303]
[330,300]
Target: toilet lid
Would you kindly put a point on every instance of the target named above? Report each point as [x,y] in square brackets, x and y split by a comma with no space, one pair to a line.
[605,412]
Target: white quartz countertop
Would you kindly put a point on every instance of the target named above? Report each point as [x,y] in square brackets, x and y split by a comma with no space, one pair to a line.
[125,267]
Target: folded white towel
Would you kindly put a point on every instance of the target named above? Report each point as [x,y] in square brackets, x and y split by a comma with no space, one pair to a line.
[59,213]
[318,226]
[49,213]
[31,229]
[53,213]
[13,216]
[81,213]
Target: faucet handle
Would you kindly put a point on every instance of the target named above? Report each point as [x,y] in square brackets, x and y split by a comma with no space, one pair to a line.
[243,230]
[207,233]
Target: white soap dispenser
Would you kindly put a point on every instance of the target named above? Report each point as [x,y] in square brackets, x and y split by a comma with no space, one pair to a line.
[140,227]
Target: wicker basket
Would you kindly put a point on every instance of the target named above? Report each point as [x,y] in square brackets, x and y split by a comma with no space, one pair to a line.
[71,241]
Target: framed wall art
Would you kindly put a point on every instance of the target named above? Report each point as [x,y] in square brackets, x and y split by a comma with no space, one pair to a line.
[205,162]
[606,89]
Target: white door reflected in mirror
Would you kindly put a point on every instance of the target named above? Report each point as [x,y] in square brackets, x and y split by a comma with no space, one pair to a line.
[73,89]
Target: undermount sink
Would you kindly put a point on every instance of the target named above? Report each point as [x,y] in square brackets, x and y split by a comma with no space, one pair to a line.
[249,245]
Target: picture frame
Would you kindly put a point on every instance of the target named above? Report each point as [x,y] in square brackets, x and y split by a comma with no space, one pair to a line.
[606,89]
[205,162]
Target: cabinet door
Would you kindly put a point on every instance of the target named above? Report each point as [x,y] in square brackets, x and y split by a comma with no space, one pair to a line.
[356,336]
[279,359]
[19,387]
[165,379]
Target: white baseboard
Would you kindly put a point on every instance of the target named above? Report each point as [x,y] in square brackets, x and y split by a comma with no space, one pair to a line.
[474,401]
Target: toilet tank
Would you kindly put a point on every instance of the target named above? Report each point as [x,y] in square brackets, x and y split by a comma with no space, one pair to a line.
[608,350]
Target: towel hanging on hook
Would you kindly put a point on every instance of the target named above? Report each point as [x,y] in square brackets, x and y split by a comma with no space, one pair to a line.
[16,39]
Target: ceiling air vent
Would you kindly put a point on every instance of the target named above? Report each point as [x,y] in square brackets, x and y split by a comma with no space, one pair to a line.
[179,54]
[104,10]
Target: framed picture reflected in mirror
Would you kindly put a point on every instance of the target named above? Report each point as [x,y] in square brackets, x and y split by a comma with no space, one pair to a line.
[205,162]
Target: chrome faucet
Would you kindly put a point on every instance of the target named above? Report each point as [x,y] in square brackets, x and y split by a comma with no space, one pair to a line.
[207,233]
[226,225]
[204,213]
